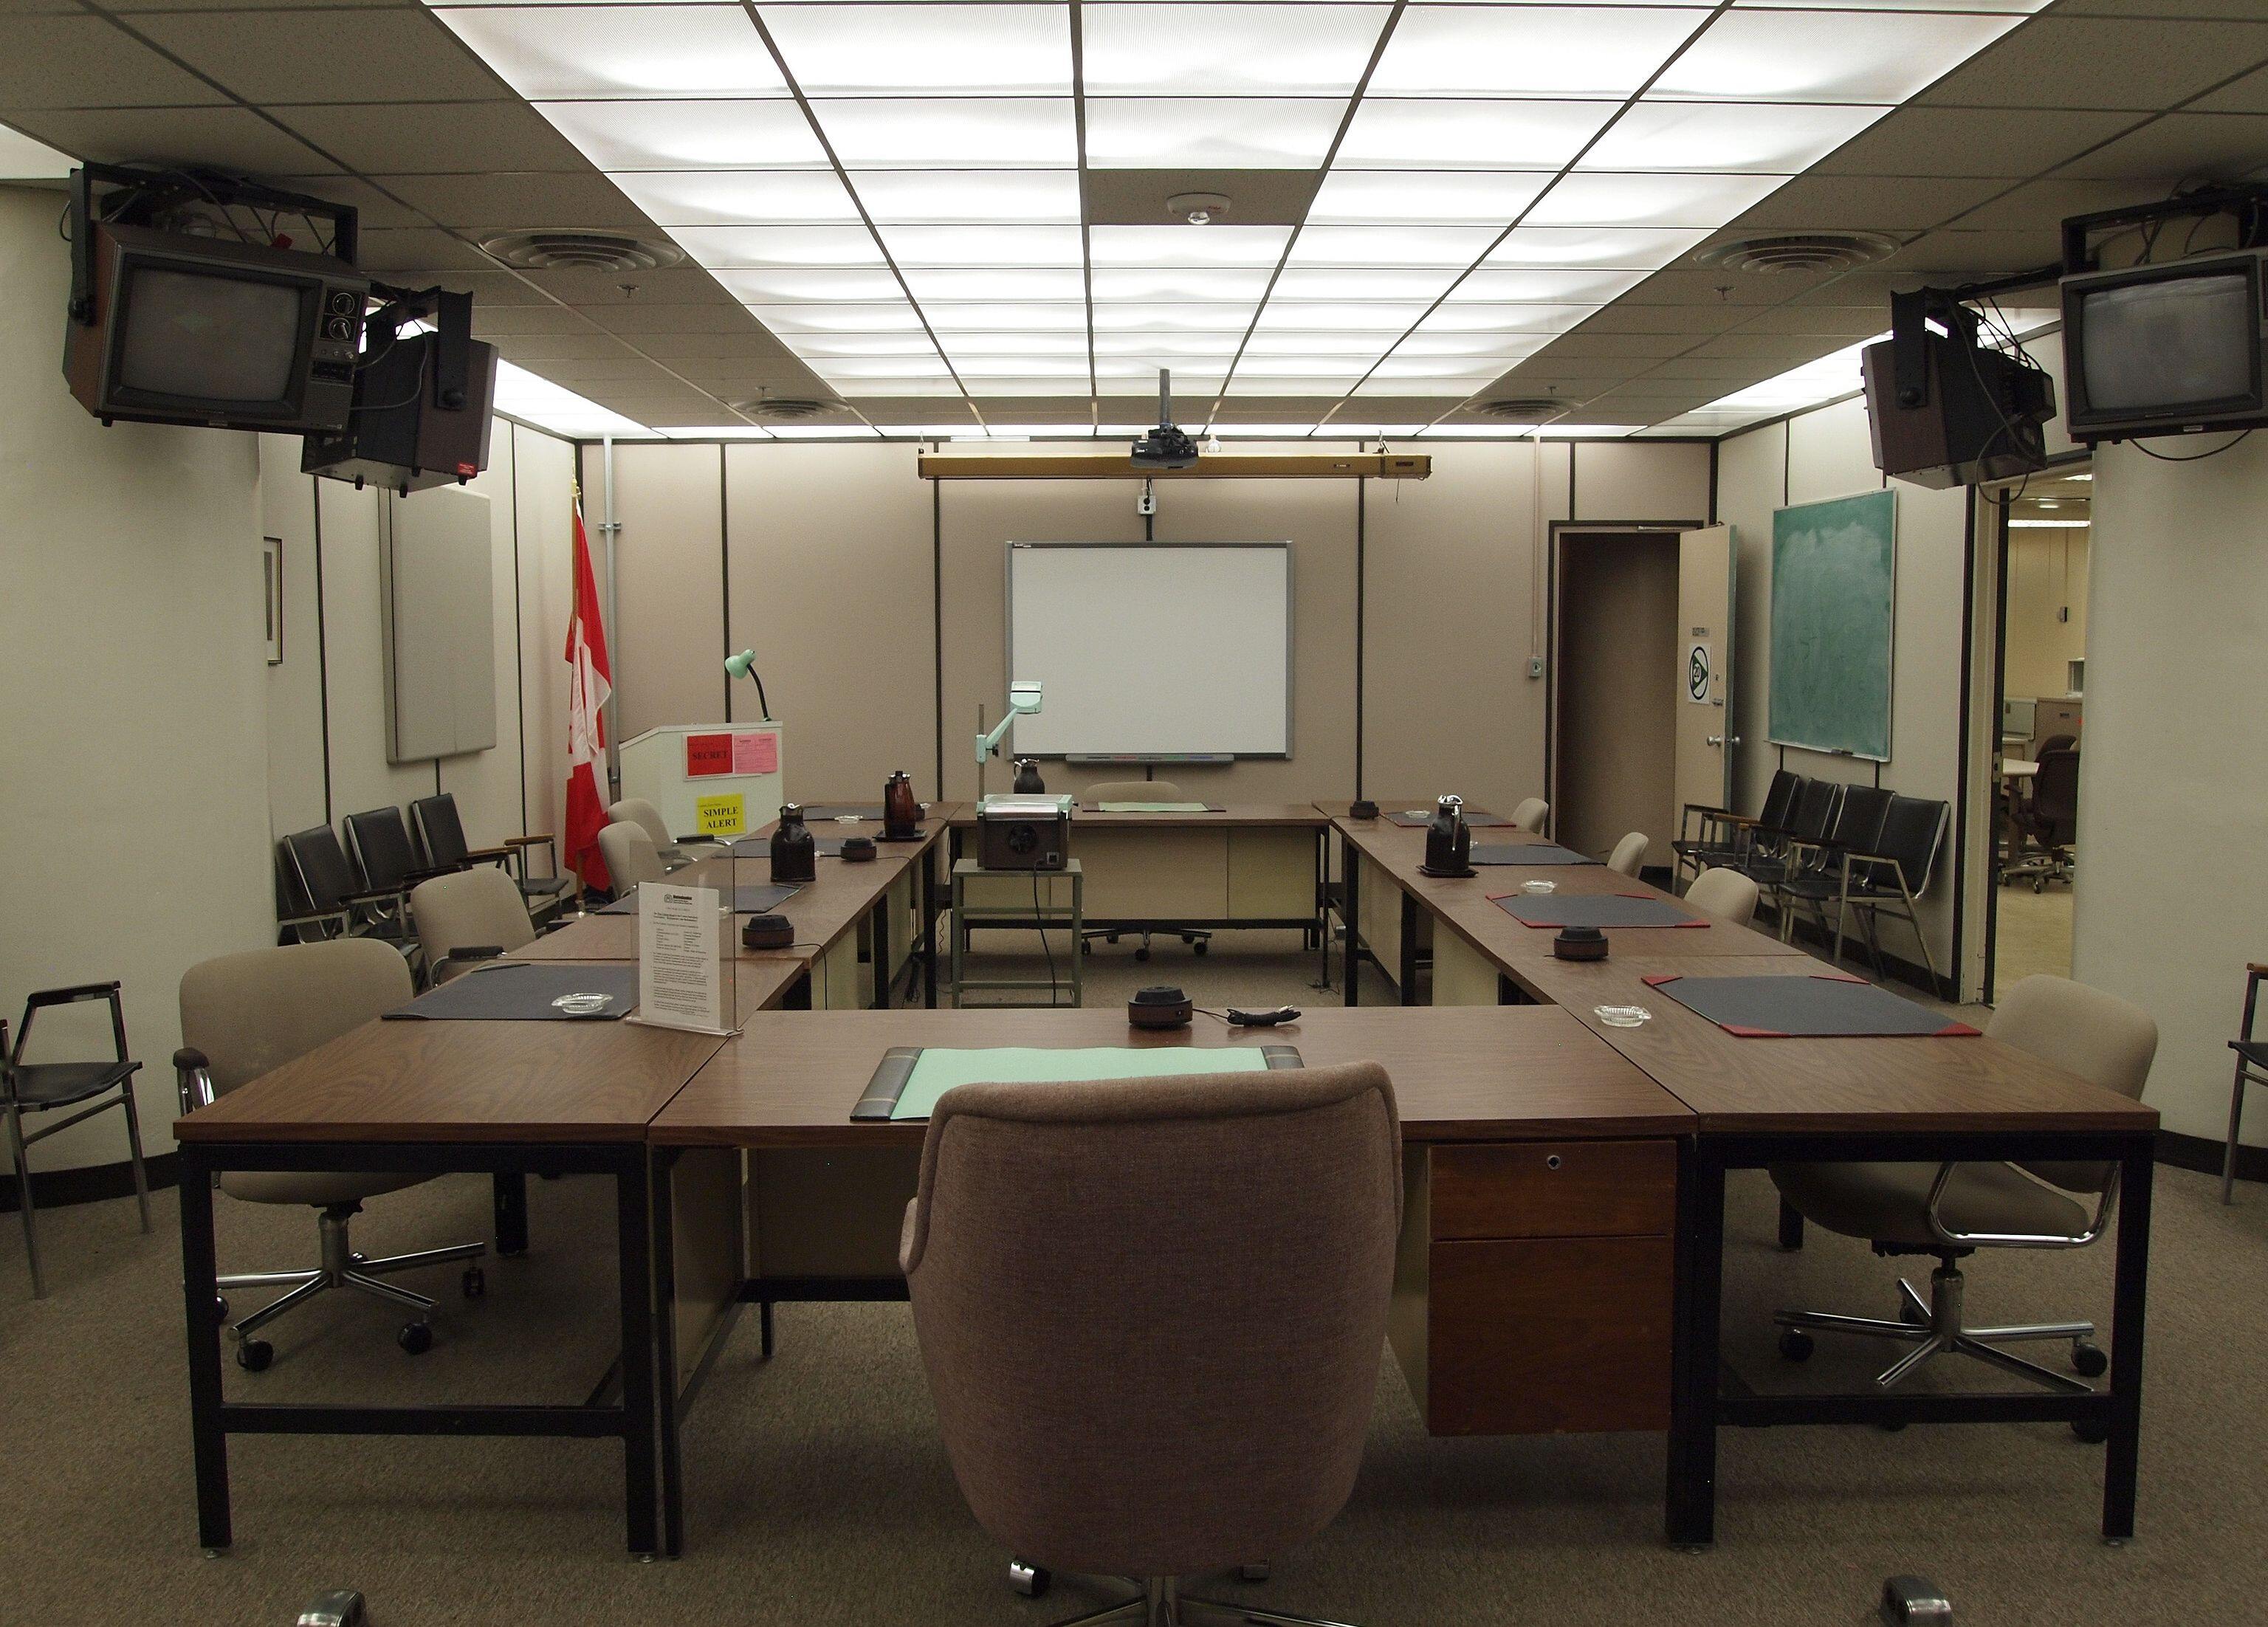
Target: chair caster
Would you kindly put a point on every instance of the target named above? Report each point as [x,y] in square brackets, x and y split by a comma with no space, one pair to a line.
[1892,1426]
[416,1337]
[220,1306]
[253,1355]
[2090,1431]
[1796,1345]
[1031,1580]
[2088,1358]
[1252,1574]
[1141,955]
[475,1282]
[1202,945]
[1110,937]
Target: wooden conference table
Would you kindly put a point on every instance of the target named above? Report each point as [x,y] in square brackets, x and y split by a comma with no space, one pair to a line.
[1561,1260]
[1758,1102]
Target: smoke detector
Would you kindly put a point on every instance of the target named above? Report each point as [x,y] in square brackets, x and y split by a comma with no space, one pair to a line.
[785,408]
[1523,408]
[1804,254]
[580,251]
[1198,209]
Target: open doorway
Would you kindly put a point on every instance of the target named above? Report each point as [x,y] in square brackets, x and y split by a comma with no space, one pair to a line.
[2043,724]
[1616,657]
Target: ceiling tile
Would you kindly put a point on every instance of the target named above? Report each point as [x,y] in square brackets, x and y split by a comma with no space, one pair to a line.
[986,245]
[1620,249]
[1982,251]
[2101,62]
[1866,203]
[1825,57]
[1629,318]
[83,61]
[1774,138]
[1388,133]
[1424,284]
[497,321]
[688,134]
[1972,141]
[929,49]
[633,318]
[2048,204]
[2248,94]
[1218,132]
[1634,347]
[909,197]
[2182,146]
[729,197]
[758,246]
[1187,246]
[332,55]
[1529,50]
[231,137]
[406,138]
[420,249]
[495,202]
[1614,199]
[951,132]
[1393,197]
[1172,283]
[1455,247]
[548,53]
[1226,50]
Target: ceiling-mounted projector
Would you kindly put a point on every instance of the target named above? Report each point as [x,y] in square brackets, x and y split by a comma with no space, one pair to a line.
[1165,447]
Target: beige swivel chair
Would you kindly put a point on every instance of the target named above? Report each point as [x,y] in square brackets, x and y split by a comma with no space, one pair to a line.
[1951,1209]
[1140,791]
[1152,1313]
[1723,895]
[641,812]
[630,856]
[244,1015]
[1629,857]
[472,916]
[1531,814]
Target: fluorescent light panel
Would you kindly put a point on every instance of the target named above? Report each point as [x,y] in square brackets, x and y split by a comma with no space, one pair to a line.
[924,50]
[1211,133]
[1227,50]
[620,51]
[1528,50]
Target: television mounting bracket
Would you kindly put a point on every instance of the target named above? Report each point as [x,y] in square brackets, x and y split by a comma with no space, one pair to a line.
[148,192]
[453,327]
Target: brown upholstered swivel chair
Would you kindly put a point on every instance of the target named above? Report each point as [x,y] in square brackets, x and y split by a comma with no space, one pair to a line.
[1725,895]
[467,917]
[1951,1209]
[1531,814]
[1152,1313]
[674,854]
[244,1015]
[1629,857]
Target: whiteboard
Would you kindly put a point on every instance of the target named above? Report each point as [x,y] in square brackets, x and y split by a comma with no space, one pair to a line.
[1150,649]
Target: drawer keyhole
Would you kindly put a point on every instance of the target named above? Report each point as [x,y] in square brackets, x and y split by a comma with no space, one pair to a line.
[1552,1162]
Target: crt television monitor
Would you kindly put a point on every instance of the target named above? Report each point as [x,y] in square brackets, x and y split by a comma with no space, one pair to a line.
[202,330]
[2168,350]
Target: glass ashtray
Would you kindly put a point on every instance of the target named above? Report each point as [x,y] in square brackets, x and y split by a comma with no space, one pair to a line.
[1539,887]
[582,1004]
[1622,1016]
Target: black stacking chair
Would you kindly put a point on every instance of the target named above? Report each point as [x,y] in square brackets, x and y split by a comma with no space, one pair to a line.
[46,1087]
[328,900]
[2252,1049]
[1884,878]
[379,842]
[2049,818]
[1713,838]
[1810,874]
[441,838]
[1768,854]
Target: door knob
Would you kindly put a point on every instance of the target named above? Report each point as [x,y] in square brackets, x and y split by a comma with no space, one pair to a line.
[1719,740]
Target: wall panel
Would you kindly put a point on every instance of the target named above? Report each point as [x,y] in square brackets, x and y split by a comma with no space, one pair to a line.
[668,632]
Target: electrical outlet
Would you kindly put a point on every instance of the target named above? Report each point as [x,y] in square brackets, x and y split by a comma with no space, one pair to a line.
[1145,503]
[1535,666]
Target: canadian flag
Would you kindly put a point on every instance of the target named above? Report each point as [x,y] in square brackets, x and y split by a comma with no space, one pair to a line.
[589,683]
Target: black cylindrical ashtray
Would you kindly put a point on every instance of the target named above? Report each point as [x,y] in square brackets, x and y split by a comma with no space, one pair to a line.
[1160,1006]
[1579,943]
[1362,808]
[768,931]
[857,850]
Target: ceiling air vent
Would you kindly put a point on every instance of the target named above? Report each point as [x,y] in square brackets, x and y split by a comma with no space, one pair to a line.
[1523,408]
[1805,254]
[580,251]
[785,408]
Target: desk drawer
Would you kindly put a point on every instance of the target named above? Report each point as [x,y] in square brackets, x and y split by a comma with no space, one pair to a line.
[1546,1336]
[1556,1188]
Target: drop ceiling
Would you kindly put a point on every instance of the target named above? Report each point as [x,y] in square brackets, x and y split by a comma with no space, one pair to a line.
[955,216]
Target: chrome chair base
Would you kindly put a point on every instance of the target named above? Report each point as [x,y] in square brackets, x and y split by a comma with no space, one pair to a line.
[342,1268]
[1161,1604]
[1935,1328]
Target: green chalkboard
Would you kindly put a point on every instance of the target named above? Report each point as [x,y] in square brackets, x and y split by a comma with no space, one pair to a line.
[1833,591]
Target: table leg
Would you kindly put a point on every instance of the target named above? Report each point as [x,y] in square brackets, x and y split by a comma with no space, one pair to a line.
[929,925]
[1350,885]
[634,1231]
[878,941]
[2126,1311]
[1691,1504]
[511,1187]
[1322,908]
[1408,957]
[201,1300]
[662,1173]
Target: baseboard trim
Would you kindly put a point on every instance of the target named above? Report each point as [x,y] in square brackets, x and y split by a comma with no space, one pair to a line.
[56,1188]
[2199,1153]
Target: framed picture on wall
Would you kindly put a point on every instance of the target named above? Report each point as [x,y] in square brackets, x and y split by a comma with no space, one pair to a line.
[271,584]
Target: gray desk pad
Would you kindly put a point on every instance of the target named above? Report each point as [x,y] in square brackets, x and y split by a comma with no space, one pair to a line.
[746,899]
[1544,909]
[523,990]
[761,847]
[1529,853]
[1409,819]
[1824,1004]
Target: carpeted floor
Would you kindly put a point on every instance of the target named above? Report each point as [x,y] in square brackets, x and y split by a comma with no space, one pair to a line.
[819,1492]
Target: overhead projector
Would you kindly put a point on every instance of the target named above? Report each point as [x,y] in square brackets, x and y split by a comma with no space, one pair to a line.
[1165,447]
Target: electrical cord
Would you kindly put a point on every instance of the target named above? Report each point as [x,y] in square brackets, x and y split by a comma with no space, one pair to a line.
[1040,921]
[2195,457]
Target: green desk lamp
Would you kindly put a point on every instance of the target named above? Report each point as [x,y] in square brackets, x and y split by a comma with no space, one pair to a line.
[744,666]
